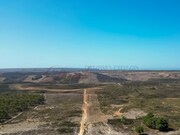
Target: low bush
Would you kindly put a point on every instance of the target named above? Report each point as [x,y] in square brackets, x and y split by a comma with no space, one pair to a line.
[153,122]
[162,124]
[120,121]
[139,129]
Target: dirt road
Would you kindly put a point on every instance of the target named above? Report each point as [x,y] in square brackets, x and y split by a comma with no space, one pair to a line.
[91,110]
[85,114]
[36,88]
[93,120]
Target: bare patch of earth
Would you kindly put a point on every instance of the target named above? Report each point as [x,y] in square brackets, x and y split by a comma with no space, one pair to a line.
[20,127]
[102,129]
[134,114]
[95,122]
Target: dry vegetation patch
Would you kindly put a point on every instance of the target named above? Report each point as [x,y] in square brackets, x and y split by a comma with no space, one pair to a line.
[139,98]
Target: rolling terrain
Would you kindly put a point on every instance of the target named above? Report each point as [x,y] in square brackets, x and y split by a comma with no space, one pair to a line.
[93,102]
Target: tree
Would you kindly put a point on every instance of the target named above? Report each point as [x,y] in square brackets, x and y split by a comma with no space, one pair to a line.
[11,104]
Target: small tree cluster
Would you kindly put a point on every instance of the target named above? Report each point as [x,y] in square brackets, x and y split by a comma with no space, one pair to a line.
[156,122]
[11,104]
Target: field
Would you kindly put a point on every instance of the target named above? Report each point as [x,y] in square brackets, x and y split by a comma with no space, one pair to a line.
[160,97]
[85,103]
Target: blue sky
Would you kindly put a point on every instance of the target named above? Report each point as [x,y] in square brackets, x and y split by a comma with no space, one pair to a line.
[77,33]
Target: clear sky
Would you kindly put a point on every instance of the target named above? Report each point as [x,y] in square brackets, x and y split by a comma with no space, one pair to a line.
[77,33]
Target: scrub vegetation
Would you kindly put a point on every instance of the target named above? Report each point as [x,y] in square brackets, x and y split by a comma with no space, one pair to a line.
[12,104]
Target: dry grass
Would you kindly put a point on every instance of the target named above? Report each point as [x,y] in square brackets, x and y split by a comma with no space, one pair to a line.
[162,98]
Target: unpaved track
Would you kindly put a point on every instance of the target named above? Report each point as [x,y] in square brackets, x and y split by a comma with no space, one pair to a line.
[85,114]
[94,122]
[31,88]
[94,113]
[91,111]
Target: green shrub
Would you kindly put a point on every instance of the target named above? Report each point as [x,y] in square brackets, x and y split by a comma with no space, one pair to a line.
[121,121]
[11,104]
[150,121]
[3,115]
[139,129]
[126,121]
[162,124]
[65,130]
[156,123]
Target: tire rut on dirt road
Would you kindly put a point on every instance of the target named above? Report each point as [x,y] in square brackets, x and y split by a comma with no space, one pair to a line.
[91,111]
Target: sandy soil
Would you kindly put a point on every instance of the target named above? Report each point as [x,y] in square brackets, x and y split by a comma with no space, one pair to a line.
[170,133]
[134,114]
[94,122]
[20,127]
[91,111]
